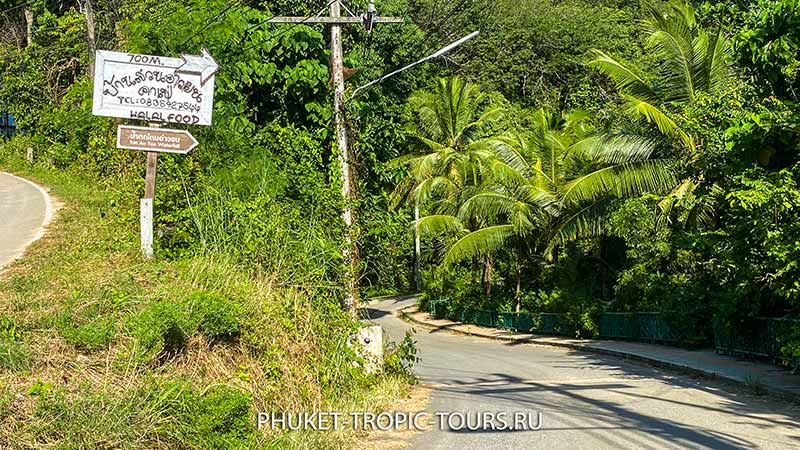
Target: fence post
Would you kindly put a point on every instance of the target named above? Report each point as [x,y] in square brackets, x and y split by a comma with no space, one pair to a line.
[29,154]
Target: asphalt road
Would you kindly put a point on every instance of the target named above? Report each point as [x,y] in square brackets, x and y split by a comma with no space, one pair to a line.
[587,401]
[23,212]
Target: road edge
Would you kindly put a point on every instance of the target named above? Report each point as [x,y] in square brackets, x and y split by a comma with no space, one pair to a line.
[778,393]
[49,215]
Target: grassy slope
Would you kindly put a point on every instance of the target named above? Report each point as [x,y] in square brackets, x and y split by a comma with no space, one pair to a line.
[101,349]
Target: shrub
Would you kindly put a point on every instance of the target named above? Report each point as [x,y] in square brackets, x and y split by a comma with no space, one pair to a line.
[399,359]
[159,414]
[215,315]
[160,330]
[94,334]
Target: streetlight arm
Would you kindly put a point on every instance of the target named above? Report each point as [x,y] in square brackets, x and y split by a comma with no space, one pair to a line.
[437,54]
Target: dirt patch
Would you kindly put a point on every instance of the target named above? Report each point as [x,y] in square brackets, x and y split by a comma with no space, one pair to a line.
[416,401]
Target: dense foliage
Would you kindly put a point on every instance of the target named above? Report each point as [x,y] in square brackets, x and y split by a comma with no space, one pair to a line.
[576,157]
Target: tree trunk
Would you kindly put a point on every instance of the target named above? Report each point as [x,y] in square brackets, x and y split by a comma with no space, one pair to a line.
[417,250]
[29,24]
[488,267]
[518,291]
[91,37]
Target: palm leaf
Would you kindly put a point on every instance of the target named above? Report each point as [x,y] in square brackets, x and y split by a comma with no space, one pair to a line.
[479,242]
[439,224]
[625,79]
[664,123]
[621,180]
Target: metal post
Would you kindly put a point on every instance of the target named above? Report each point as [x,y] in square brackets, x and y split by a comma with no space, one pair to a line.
[350,252]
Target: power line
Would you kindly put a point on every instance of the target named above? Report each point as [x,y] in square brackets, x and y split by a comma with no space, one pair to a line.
[284,31]
[17,6]
[447,17]
[210,22]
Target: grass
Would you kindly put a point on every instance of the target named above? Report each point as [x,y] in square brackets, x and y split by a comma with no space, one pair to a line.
[101,349]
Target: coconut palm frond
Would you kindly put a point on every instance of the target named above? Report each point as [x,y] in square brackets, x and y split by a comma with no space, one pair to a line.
[663,122]
[616,148]
[621,180]
[439,224]
[718,62]
[487,204]
[582,223]
[479,242]
[625,78]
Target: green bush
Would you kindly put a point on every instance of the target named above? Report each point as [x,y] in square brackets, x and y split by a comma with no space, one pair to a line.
[90,335]
[399,358]
[161,330]
[159,414]
[216,316]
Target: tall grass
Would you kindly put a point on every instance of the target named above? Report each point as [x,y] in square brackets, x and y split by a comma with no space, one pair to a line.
[101,349]
[293,244]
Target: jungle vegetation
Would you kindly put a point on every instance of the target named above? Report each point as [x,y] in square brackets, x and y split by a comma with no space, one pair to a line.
[577,157]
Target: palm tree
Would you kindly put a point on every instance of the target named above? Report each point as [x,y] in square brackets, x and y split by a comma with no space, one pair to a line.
[547,186]
[692,60]
[448,124]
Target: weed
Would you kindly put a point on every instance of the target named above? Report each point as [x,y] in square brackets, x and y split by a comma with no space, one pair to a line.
[399,359]
[215,315]
[93,334]
[160,330]
[755,385]
[13,356]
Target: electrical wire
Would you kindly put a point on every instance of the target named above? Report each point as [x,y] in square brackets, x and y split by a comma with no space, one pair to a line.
[17,6]
[210,22]
[284,31]
[436,28]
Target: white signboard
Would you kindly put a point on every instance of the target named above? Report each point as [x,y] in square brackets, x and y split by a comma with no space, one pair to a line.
[154,88]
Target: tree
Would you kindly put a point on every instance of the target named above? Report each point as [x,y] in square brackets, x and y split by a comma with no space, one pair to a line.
[549,185]
[690,59]
[448,124]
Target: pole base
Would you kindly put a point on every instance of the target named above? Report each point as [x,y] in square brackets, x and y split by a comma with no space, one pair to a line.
[146,223]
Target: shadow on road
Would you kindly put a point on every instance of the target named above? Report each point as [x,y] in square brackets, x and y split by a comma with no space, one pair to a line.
[575,402]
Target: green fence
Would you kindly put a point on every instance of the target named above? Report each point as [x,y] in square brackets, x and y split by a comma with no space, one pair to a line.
[640,326]
[769,337]
[647,327]
[542,323]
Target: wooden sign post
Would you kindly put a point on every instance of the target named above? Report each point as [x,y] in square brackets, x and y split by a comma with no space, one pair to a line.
[146,203]
[156,89]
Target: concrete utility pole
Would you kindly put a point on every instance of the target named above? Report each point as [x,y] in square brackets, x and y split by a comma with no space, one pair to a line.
[345,158]
[28,26]
[91,36]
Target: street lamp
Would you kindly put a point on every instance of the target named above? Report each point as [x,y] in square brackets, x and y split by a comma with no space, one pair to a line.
[437,54]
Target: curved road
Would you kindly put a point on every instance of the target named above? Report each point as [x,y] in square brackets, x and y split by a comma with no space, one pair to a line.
[24,211]
[587,401]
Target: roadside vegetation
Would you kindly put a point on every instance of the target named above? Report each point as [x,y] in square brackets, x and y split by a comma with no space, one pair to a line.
[576,157]
[100,349]
[671,190]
